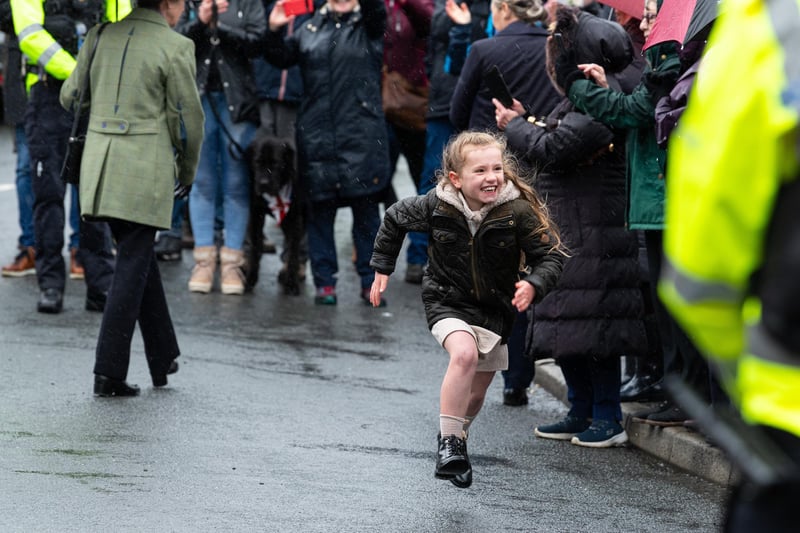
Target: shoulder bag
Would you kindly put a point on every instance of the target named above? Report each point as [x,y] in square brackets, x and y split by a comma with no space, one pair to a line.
[71,169]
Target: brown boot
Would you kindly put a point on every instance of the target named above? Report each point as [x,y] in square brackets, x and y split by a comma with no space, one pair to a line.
[75,266]
[23,265]
[231,263]
[205,263]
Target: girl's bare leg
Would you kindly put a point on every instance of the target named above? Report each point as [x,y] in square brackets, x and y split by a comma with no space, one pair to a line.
[458,381]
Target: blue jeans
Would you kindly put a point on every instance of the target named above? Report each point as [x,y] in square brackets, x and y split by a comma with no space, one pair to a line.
[593,386]
[219,167]
[437,135]
[322,244]
[24,188]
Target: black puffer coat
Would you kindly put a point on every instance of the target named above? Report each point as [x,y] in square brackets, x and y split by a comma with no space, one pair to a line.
[341,131]
[470,277]
[596,309]
[240,31]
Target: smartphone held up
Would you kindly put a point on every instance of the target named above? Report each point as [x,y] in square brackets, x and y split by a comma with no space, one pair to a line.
[298,7]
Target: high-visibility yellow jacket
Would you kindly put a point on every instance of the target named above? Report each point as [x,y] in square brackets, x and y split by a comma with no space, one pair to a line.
[40,47]
[736,145]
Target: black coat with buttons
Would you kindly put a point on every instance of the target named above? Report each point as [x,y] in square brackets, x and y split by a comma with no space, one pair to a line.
[596,308]
[341,131]
[239,33]
[471,277]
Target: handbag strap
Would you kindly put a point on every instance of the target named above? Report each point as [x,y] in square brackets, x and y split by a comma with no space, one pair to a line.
[85,84]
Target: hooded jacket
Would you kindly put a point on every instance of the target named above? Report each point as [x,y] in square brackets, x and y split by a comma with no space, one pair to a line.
[471,277]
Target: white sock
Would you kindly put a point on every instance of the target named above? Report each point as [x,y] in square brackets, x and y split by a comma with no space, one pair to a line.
[451,425]
[468,422]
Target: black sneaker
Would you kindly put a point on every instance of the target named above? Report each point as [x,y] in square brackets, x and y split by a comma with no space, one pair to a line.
[563,429]
[168,248]
[641,415]
[672,416]
[451,459]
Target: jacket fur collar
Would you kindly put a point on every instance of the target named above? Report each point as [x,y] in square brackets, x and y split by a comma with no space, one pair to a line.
[447,193]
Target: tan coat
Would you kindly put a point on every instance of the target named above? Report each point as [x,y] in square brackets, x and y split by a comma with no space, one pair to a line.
[146,121]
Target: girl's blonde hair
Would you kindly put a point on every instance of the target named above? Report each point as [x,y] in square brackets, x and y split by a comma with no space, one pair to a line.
[454,158]
[528,11]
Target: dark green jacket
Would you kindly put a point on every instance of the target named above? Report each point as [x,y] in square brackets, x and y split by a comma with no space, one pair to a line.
[634,112]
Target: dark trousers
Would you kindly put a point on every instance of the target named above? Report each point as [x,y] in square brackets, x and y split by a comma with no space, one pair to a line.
[521,368]
[322,244]
[592,386]
[136,294]
[411,144]
[47,128]
[772,509]
[681,358]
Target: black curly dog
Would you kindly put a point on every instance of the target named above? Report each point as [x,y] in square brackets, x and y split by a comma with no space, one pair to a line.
[273,164]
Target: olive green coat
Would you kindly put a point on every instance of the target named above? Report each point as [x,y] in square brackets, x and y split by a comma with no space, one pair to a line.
[146,121]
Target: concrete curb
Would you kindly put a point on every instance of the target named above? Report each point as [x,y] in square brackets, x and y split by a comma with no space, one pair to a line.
[678,446]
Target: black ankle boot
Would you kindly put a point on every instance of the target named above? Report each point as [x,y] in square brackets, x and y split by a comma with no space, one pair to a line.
[452,458]
[105,386]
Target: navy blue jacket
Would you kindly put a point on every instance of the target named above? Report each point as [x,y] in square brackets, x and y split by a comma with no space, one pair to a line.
[519,53]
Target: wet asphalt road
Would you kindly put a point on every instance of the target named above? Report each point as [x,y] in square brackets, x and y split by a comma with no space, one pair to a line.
[287,416]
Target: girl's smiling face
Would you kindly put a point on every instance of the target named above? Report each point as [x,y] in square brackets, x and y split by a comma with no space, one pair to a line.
[481,176]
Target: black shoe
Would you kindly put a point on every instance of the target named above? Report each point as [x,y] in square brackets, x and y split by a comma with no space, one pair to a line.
[463,481]
[161,380]
[105,386]
[96,301]
[168,248]
[641,415]
[414,273]
[451,460]
[640,392]
[268,247]
[50,301]
[515,397]
[672,416]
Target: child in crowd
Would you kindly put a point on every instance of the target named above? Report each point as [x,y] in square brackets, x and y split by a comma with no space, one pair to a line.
[483,220]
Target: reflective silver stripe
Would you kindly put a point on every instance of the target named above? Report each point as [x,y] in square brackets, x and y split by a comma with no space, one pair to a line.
[48,54]
[694,291]
[762,345]
[27,30]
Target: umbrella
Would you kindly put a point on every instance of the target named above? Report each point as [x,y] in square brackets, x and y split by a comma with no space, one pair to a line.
[681,21]
[634,8]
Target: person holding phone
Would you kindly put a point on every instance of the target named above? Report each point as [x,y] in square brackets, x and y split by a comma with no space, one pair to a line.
[341,131]
[517,54]
[226,33]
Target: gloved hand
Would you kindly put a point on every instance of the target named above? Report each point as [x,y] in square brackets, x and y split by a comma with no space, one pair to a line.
[659,84]
[181,191]
[567,71]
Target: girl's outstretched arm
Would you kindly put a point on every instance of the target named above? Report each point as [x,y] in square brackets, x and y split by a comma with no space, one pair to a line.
[378,286]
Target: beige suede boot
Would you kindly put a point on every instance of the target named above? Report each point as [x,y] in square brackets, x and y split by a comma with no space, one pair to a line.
[205,263]
[231,263]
